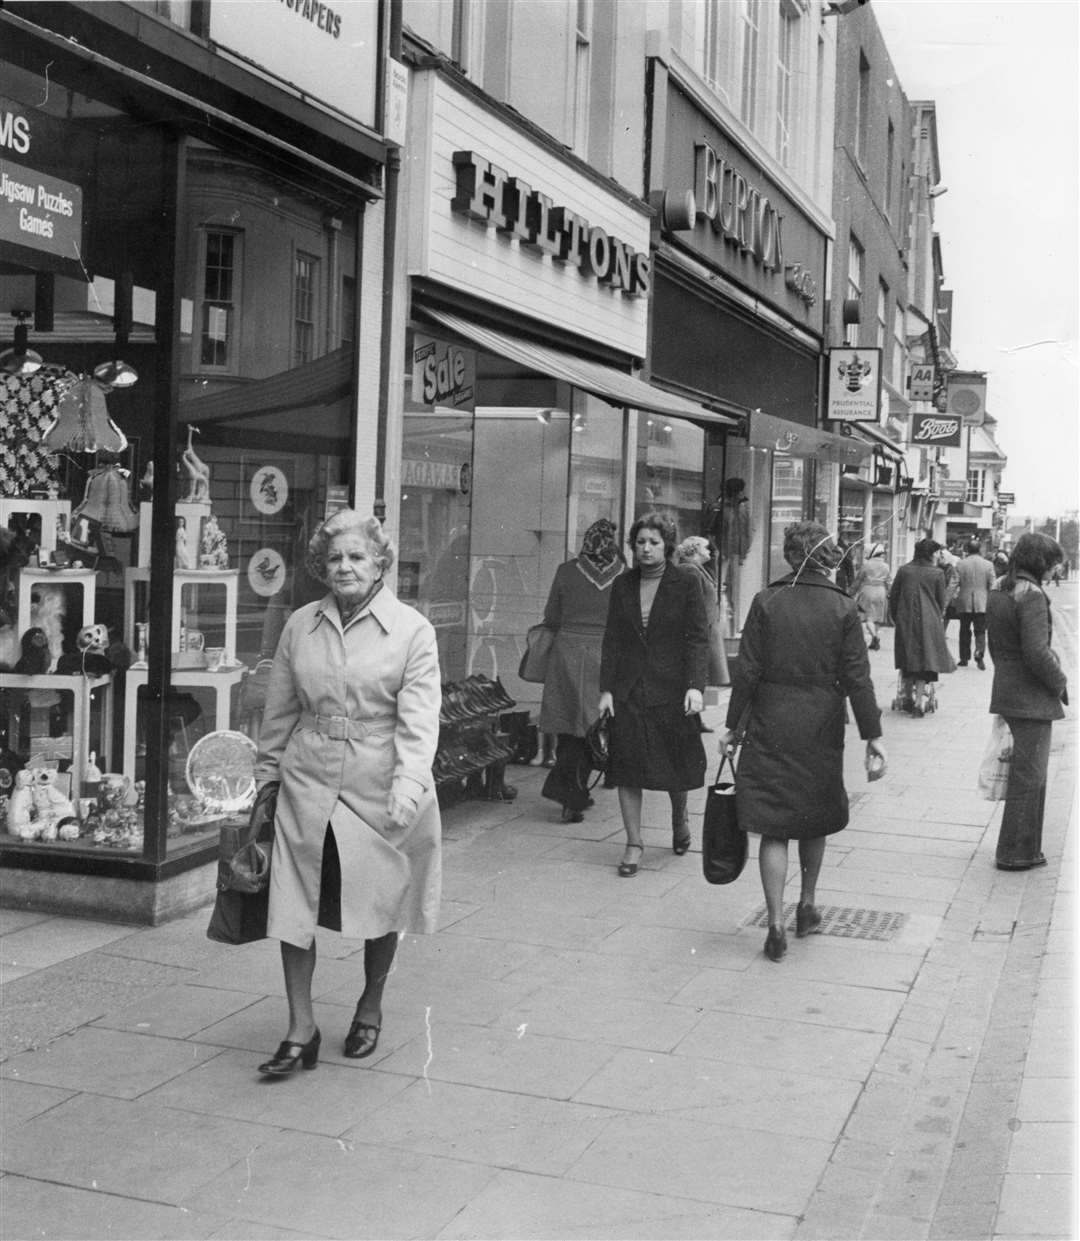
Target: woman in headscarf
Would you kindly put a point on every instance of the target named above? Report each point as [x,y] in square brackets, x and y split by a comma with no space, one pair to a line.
[801,654]
[917,601]
[576,611]
[871,590]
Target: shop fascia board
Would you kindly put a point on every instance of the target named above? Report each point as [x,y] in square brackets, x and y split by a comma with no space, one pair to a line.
[712,106]
[679,262]
[171,103]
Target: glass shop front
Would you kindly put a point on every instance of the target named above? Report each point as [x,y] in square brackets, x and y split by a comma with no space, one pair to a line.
[177,383]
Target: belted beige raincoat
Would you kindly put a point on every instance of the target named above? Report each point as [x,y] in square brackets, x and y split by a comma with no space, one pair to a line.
[351,713]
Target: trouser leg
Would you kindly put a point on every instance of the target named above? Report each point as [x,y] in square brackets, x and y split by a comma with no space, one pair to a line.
[1020,837]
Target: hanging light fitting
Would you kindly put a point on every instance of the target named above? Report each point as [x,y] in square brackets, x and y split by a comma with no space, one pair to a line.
[20,359]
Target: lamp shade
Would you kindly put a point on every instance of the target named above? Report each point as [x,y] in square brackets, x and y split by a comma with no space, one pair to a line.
[20,359]
[82,422]
[116,374]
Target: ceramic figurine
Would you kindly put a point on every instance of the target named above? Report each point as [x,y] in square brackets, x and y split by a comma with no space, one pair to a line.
[20,815]
[198,473]
[215,547]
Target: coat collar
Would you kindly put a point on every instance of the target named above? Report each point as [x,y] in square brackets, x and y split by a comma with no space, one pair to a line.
[381,607]
[808,577]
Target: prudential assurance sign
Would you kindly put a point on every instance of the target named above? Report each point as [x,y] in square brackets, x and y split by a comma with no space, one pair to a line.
[39,211]
[854,385]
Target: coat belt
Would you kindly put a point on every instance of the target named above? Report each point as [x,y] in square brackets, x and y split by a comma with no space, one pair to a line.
[344,727]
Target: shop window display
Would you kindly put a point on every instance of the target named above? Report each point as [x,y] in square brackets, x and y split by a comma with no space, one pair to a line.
[262,453]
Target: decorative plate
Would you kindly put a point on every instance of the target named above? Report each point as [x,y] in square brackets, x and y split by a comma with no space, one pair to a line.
[221,771]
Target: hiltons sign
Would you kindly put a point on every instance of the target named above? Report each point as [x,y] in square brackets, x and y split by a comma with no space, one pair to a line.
[488,193]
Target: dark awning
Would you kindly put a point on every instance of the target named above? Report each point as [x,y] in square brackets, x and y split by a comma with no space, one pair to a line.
[795,440]
[603,381]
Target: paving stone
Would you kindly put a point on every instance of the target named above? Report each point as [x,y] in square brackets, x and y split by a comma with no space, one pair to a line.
[68,1214]
[333,1188]
[177,1011]
[1037,1205]
[20,1101]
[514,1204]
[129,1148]
[107,1062]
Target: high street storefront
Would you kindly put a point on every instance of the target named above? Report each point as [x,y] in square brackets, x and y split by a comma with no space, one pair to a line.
[525,419]
[181,241]
[739,319]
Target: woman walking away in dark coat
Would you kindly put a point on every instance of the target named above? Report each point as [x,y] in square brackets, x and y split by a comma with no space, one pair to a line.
[577,609]
[1029,688]
[653,665]
[917,602]
[802,652]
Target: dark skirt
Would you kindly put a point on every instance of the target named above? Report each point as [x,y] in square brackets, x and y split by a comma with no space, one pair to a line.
[656,747]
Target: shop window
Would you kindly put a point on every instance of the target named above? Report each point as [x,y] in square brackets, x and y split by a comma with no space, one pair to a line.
[976,486]
[671,470]
[221,265]
[305,272]
[788,475]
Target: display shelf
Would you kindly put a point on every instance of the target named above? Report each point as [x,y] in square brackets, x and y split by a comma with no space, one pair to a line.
[472,754]
[48,510]
[82,688]
[30,577]
[227,578]
[220,681]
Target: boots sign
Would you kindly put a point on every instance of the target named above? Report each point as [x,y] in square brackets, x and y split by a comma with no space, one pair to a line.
[941,430]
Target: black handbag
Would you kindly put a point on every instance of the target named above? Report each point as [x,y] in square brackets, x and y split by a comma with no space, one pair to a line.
[534,660]
[243,882]
[723,842]
[598,745]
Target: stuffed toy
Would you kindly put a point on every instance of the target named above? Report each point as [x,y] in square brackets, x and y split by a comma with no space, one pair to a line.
[34,657]
[95,655]
[47,610]
[51,809]
[20,814]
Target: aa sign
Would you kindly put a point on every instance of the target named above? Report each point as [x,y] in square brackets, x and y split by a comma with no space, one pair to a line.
[922,381]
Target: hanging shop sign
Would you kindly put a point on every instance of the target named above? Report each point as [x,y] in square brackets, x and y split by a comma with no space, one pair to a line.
[966,396]
[1006,497]
[854,385]
[40,212]
[328,51]
[490,194]
[952,489]
[737,219]
[921,381]
[940,430]
[443,374]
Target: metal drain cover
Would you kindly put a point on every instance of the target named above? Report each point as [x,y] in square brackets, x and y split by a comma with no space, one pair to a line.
[842,920]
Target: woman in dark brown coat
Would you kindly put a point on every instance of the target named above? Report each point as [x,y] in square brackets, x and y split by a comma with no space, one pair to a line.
[802,652]
[653,665]
[1029,688]
[917,603]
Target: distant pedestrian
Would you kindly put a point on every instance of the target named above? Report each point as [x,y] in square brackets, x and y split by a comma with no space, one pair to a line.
[696,554]
[917,604]
[948,561]
[976,575]
[845,570]
[576,611]
[872,584]
[1028,691]
[653,667]
[801,654]
[1001,562]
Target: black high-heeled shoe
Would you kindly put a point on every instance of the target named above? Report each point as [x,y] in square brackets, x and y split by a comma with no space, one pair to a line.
[289,1055]
[361,1040]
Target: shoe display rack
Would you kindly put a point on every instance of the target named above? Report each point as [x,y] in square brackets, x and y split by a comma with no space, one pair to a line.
[472,755]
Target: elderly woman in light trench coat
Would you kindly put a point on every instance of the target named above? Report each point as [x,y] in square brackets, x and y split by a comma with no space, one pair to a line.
[350,730]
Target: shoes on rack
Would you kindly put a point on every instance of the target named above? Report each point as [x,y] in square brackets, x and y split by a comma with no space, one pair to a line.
[291,1055]
[807,920]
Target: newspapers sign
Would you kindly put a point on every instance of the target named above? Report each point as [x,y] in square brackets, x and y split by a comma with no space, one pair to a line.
[854,385]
